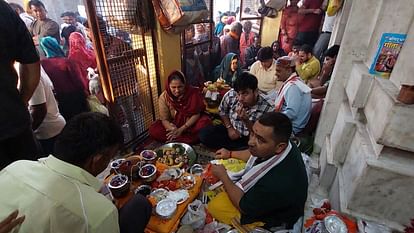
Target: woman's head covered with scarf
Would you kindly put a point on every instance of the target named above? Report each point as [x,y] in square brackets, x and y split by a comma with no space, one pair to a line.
[51,47]
[227,71]
[79,52]
[188,100]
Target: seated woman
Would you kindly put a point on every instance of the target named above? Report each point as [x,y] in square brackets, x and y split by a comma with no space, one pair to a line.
[277,51]
[181,107]
[229,69]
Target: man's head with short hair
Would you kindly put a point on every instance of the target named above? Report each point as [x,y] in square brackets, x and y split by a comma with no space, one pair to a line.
[237,28]
[246,87]
[17,8]
[265,56]
[305,53]
[285,66]
[38,9]
[68,17]
[270,135]
[331,54]
[256,41]
[296,46]
[89,140]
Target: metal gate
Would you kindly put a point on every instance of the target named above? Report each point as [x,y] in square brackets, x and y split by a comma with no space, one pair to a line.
[124,40]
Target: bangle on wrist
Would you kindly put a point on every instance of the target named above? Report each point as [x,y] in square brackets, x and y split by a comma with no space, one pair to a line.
[228,126]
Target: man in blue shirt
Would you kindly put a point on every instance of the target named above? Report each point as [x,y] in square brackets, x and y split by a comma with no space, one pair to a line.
[294,98]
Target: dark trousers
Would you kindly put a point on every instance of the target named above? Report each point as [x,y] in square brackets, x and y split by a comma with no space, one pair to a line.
[47,145]
[308,38]
[135,214]
[321,45]
[216,137]
[21,146]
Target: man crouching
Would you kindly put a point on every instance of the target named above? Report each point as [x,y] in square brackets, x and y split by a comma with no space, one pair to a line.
[273,189]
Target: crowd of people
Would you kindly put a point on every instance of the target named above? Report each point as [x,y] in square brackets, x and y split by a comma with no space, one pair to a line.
[270,100]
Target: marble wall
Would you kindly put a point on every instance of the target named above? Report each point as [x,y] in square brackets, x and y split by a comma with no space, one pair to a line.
[366,139]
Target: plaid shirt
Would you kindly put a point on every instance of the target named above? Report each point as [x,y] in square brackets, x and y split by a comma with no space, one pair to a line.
[229,105]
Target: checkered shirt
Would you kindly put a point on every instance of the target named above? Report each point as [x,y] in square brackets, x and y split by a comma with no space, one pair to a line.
[229,105]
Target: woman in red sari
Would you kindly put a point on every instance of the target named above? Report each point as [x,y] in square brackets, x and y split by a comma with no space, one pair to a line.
[80,53]
[181,112]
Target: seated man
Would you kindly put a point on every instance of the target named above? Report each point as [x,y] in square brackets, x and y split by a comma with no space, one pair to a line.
[59,193]
[264,70]
[307,65]
[239,109]
[251,53]
[320,85]
[294,98]
[273,189]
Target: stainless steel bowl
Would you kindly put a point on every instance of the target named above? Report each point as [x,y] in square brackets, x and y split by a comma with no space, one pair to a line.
[146,175]
[149,156]
[119,185]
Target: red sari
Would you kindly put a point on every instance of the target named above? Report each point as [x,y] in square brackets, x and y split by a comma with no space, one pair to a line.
[191,103]
[81,54]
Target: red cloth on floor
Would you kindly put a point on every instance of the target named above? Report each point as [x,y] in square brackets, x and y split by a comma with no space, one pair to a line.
[190,136]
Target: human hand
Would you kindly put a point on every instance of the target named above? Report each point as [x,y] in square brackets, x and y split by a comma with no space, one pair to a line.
[219,171]
[35,40]
[233,133]
[10,222]
[317,11]
[175,133]
[242,113]
[285,39]
[222,154]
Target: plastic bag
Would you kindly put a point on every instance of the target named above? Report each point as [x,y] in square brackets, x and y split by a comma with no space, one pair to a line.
[195,215]
[96,106]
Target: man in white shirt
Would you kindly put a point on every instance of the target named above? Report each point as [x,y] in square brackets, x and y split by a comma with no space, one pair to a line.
[47,120]
[27,19]
[264,69]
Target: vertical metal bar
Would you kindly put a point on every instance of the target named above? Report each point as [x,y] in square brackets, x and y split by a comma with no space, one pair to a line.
[98,43]
[148,76]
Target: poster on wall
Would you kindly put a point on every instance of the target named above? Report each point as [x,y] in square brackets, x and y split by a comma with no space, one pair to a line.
[387,54]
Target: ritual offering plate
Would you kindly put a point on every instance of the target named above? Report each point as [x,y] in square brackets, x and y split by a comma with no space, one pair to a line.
[166,208]
[159,194]
[178,155]
[180,196]
[119,185]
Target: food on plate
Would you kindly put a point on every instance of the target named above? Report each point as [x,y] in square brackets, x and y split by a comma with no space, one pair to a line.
[174,156]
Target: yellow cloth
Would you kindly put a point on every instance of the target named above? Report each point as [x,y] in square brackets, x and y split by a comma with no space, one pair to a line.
[309,69]
[233,165]
[222,209]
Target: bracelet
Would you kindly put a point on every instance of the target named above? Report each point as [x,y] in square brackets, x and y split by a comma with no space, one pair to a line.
[230,155]
[228,126]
